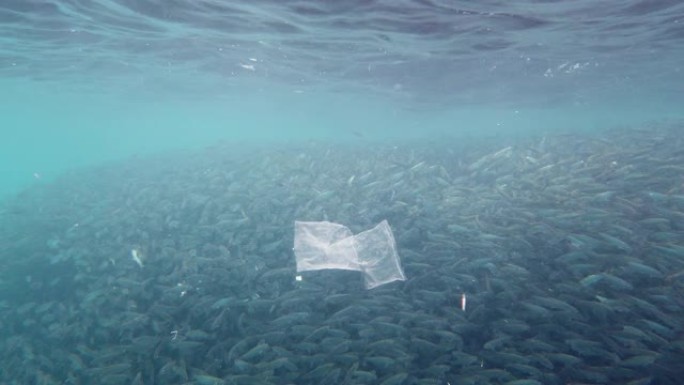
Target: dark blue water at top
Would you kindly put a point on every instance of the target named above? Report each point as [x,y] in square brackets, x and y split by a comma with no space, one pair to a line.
[428,52]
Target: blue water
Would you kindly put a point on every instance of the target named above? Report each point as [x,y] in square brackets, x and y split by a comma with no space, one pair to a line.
[84,82]
[154,155]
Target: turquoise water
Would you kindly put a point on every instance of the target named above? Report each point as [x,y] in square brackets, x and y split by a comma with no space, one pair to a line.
[87,82]
[166,167]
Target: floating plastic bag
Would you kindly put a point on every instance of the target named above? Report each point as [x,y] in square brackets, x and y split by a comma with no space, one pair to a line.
[377,253]
[327,245]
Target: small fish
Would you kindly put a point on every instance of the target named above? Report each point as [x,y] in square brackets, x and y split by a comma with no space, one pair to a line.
[351,180]
[463,301]
[137,257]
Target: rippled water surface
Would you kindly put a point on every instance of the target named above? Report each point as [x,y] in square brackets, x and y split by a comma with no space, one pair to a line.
[425,51]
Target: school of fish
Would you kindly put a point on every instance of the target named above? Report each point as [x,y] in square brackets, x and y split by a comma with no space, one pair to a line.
[179,269]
